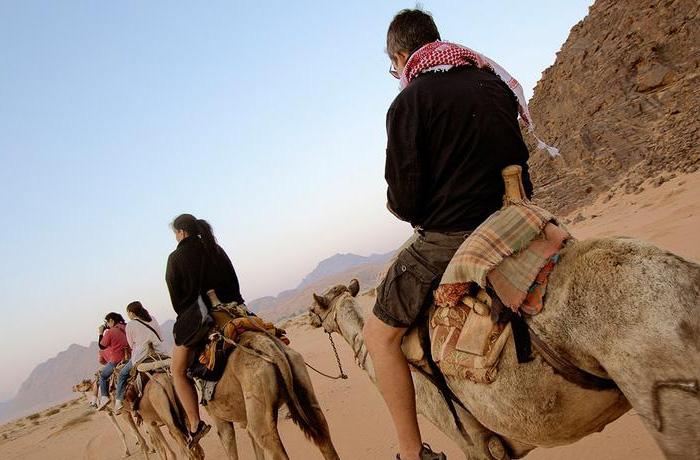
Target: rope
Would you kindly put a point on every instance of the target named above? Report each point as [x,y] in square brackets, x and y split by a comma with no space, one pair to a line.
[342,375]
[259,354]
[250,351]
[264,357]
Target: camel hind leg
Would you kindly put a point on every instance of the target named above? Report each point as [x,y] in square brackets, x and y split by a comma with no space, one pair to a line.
[227,435]
[258,451]
[143,445]
[262,428]
[661,382]
[159,442]
[635,309]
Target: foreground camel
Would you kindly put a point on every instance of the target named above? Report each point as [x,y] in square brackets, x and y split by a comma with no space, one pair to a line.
[617,308]
[260,376]
[158,407]
[88,386]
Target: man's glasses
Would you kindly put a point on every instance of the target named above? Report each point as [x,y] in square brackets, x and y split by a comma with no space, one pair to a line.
[392,69]
[393,72]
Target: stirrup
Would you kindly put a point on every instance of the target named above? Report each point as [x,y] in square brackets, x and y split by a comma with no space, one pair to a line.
[202,430]
[426,453]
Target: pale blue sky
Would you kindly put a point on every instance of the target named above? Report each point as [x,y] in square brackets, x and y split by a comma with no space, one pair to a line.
[266,118]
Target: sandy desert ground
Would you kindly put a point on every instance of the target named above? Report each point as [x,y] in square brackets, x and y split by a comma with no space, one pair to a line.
[667,215]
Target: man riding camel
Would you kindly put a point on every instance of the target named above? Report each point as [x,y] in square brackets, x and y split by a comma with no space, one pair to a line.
[450,132]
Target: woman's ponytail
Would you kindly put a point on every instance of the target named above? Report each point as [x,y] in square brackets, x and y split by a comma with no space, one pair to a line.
[197,227]
[207,236]
[139,311]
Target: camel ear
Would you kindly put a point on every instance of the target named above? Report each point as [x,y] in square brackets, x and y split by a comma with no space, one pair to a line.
[321,301]
[354,287]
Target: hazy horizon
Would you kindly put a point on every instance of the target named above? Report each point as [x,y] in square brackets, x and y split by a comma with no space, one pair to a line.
[267,120]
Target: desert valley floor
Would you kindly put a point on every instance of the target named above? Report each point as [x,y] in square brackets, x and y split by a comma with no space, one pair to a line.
[667,215]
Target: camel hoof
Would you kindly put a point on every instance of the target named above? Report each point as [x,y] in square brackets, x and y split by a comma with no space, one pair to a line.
[496,448]
[126,454]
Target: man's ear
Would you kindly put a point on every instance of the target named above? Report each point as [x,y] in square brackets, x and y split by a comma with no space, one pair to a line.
[354,287]
[321,301]
[402,57]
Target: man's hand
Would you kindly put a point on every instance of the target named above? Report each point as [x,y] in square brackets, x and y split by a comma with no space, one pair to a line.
[101,329]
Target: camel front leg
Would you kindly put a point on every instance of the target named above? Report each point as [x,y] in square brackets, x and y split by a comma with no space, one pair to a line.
[227,435]
[480,442]
[113,419]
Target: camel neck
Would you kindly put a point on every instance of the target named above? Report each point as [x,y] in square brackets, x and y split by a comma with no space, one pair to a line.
[350,323]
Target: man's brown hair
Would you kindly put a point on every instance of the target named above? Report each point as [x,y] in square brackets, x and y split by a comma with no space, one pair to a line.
[409,30]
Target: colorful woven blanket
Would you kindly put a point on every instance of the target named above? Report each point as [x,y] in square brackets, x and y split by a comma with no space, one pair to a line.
[508,250]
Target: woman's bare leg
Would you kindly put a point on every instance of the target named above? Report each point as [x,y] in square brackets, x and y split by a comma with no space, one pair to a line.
[184,387]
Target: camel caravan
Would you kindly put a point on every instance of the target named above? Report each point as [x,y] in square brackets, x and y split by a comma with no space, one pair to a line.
[610,326]
[493,320]
[246,372]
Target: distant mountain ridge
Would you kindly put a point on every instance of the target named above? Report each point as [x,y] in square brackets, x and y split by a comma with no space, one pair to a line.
[340,263]
[340,268]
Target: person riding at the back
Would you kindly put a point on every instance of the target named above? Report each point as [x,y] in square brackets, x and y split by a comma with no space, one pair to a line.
[112,342]
[142,330]
[94,394]
[451,130]
[196,266]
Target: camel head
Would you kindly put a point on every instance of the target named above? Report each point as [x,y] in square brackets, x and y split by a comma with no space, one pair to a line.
[83,386]
[324,308]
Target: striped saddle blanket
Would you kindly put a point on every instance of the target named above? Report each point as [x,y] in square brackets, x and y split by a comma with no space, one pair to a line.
[511,254]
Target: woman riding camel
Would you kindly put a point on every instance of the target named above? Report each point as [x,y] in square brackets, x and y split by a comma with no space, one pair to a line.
[114,346]
[198,265]
[143,329]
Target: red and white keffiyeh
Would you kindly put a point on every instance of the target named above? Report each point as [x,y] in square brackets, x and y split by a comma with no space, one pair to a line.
[440,56]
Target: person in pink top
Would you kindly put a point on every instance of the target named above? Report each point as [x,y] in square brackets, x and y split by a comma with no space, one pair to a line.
[114,346]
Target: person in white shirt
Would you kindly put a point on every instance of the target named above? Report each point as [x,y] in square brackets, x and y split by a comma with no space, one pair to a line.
[141,330]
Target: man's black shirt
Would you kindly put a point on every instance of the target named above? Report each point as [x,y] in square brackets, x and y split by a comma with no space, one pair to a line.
[185,269]
[449,136]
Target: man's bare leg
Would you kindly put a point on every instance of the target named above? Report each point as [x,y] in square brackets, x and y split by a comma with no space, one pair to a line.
[395,383]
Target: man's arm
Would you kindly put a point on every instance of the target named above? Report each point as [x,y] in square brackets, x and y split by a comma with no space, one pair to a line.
[402,170]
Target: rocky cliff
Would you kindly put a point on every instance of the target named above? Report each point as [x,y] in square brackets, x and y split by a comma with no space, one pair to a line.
[621,102]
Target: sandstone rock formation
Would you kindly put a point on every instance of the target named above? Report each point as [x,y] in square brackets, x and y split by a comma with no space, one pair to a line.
[621,102]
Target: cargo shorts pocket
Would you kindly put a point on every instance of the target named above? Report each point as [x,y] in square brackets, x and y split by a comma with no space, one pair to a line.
[403,293]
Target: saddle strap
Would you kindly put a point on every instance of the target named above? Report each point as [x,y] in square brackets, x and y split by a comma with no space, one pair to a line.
[437,378]
[568,370]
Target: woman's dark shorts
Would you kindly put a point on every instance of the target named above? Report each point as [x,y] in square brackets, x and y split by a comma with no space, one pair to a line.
[407,289]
